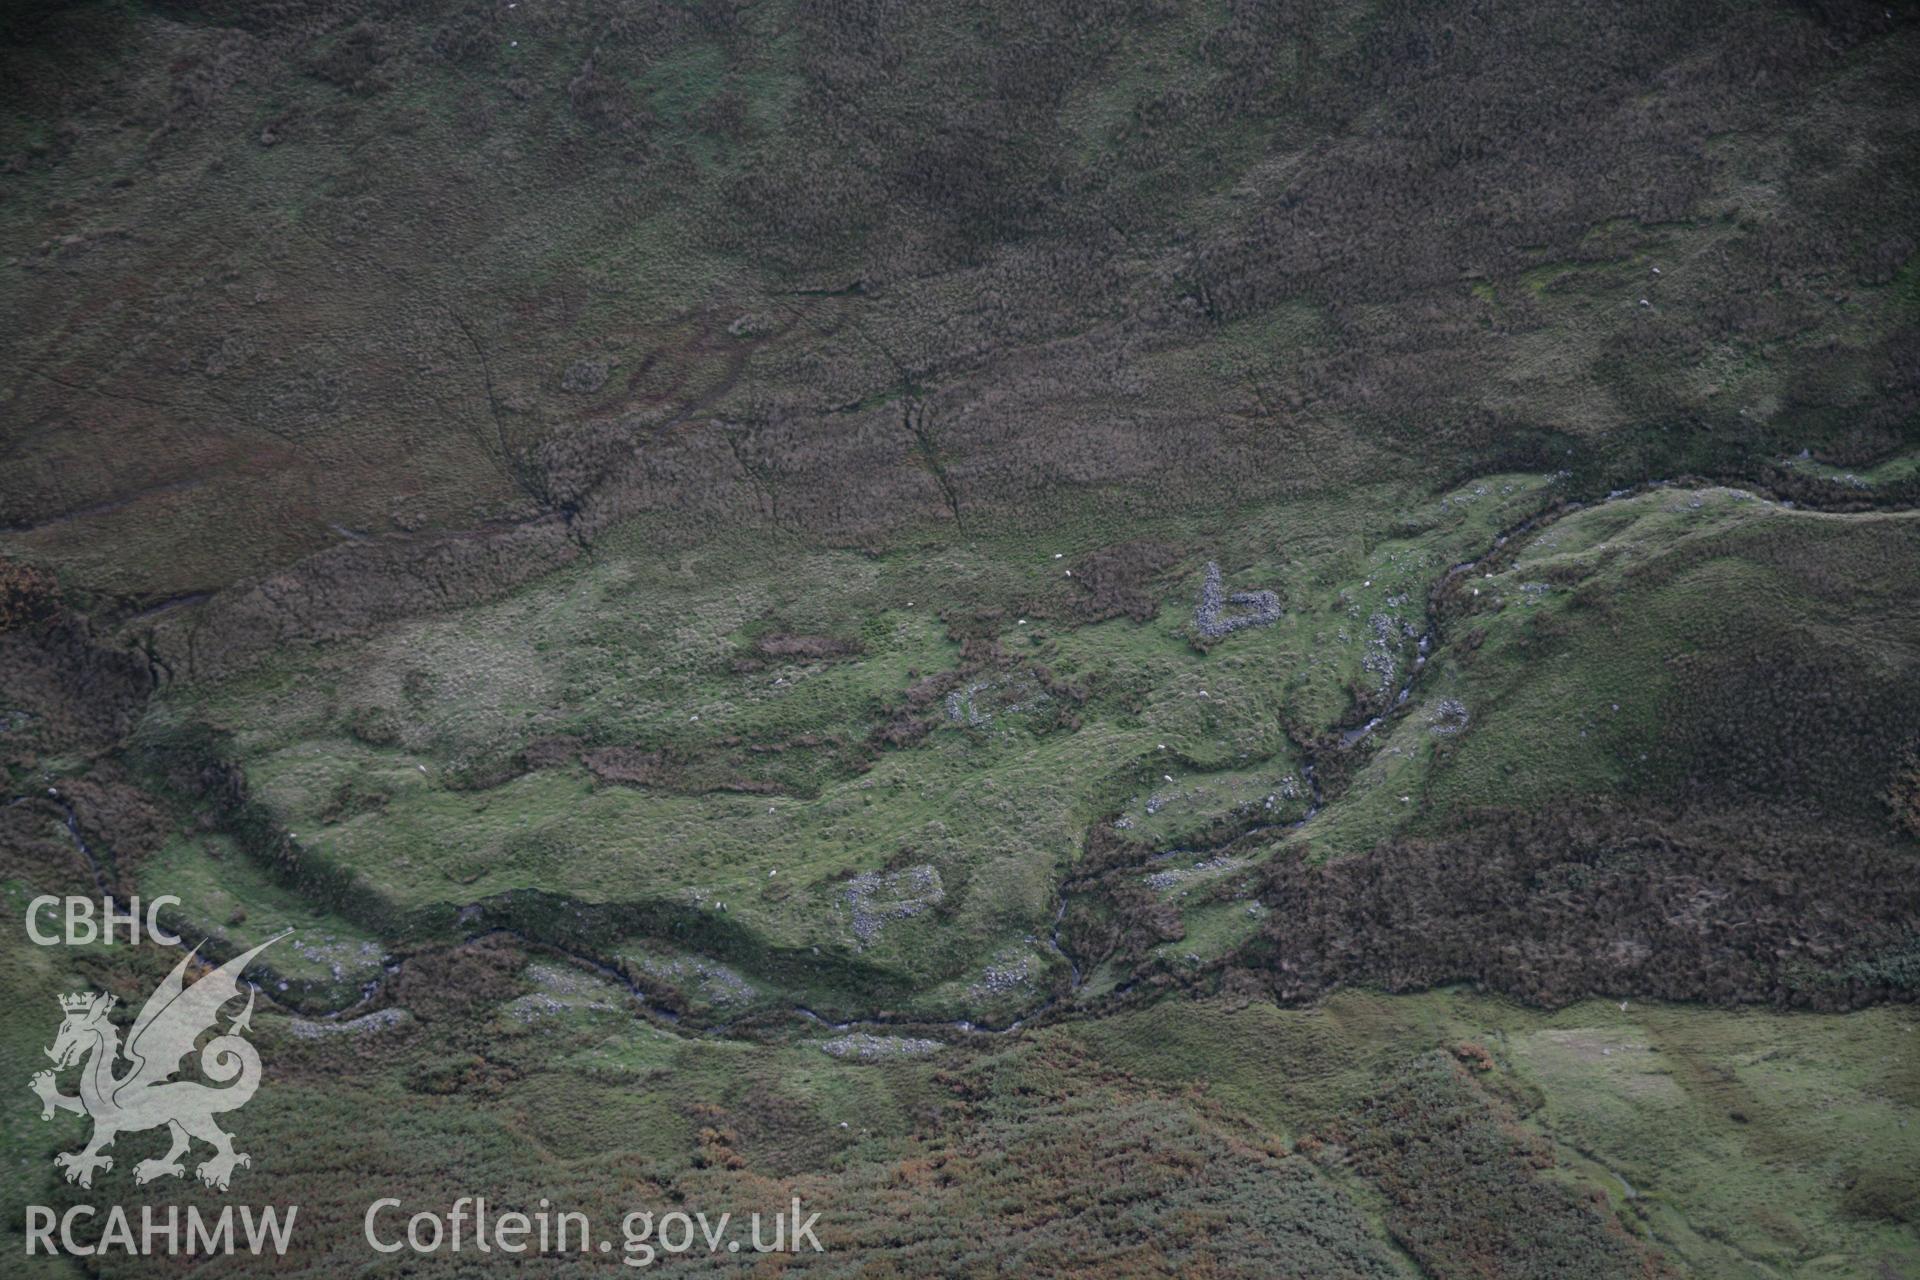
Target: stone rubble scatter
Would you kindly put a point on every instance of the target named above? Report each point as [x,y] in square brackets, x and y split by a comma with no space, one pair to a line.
[1263,608]
[875,897]
[379,1020]
[1379,657]
[1004,979]
[863,1046]
[714,982]
[1448,718]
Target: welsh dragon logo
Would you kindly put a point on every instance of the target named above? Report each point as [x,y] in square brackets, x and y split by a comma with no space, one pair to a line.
[144,1095]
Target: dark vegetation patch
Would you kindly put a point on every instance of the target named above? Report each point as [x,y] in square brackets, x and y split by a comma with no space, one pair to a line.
[781,647]
[1827,493]
[65,688]
[1788,722]
[636,766]
[1755,906]
[978,633]
[35,848]
[1119,925]
[1021,1139]
[1465,1182]
[1883,1195]
[1903,792]
[355,796]
[1120,581]
[798,765]
[28,596]
[356,586]
[918,712]
[449,982]
[989,678]
[789,646]
[774,1131]
[118,821]
[1145,257]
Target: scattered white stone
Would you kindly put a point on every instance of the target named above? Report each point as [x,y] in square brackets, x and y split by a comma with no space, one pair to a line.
[380,1020]
[1449,717]
[875,898]
[862,1046]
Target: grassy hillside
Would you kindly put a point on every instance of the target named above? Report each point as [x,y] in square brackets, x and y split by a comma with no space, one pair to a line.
[284,278]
